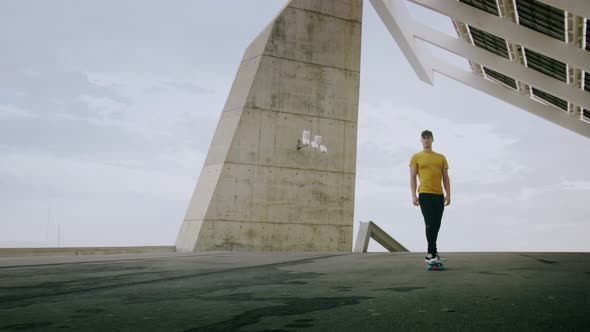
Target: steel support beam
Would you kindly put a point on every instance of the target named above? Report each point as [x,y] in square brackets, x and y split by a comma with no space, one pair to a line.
[399,23]
[505,66]
[509,30]
[564,119]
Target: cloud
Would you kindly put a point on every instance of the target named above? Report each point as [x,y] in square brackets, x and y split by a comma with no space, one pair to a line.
[9,111]
[47,91]
[65,177]
[575,185]
[187,86]
[160,129]
[389,136]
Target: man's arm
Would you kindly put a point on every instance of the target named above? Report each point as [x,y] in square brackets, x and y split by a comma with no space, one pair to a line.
[447,185]
[413,185]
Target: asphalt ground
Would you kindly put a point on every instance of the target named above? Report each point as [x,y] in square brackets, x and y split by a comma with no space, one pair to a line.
[221,291]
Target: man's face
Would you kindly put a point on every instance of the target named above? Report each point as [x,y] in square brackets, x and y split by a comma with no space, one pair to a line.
[427,141]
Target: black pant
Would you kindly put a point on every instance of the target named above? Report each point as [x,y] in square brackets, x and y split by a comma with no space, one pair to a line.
[432,206]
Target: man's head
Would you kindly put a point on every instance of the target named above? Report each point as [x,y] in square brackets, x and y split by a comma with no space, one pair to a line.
[427,139]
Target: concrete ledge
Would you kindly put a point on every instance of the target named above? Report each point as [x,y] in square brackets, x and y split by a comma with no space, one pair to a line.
[79,251]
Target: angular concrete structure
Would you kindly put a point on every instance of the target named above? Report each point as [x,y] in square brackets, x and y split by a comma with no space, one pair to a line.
[369,230]
[259,192]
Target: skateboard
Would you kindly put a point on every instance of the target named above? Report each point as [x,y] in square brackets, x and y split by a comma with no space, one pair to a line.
[435,266]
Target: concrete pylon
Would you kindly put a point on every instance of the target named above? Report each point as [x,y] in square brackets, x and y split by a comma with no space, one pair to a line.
[257,191]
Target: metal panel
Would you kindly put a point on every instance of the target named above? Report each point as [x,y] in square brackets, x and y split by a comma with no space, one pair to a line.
[501,77]
[489,6]
[489,42]
[546,65]
[551,99]
[542,18]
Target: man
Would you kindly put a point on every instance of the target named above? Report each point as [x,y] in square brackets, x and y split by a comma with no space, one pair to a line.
[431,168]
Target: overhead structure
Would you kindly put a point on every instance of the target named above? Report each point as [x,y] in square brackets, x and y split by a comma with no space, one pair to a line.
[534,54]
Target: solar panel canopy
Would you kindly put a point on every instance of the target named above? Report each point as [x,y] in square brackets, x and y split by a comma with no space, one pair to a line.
[533,54]
[567,27]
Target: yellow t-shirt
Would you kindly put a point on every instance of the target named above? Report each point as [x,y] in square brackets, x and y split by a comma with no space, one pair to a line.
[430,166]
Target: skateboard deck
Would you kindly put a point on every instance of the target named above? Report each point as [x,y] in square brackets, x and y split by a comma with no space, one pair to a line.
[435,266]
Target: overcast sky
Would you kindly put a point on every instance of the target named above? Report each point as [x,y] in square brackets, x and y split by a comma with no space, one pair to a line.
[107,110]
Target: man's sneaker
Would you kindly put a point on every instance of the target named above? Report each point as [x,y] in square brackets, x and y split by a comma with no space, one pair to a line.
[438,258]
[429,258]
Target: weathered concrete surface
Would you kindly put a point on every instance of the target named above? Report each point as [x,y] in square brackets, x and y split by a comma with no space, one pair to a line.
[290,292]
[256,191]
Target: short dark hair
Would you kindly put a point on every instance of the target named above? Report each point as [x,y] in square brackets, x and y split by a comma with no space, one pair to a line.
[426,133]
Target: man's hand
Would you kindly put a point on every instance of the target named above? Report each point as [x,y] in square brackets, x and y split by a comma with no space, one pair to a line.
[415,200]
[447,200]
